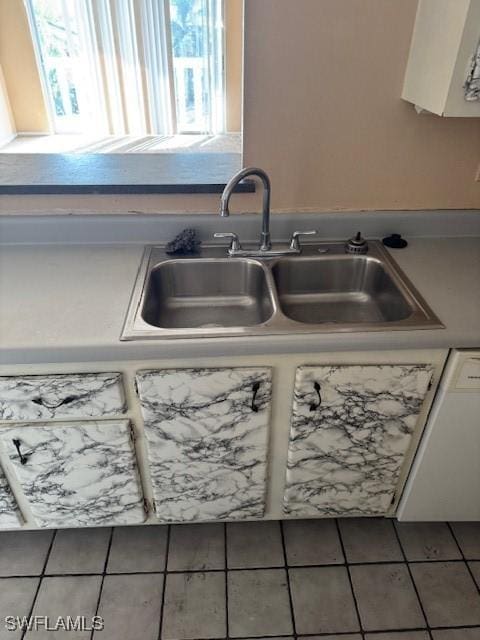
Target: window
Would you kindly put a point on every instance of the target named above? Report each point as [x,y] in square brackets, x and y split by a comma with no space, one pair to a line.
[105,79]
[131,67]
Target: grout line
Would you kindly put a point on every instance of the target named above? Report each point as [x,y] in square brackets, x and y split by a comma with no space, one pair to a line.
[47,556]
[257,568]
[104,573]
[461,552]
[429,631]
[347,566]
[162,604]
[225,542]
[290,599]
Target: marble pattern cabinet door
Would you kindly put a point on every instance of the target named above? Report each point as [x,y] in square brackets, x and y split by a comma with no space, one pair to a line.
[351,428]
[62,396]
[76,474]
[10,517]
[207,433]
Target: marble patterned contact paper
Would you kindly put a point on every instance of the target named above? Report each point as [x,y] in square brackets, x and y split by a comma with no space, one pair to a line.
[77,474]
[350,435]
[44,397]
[207,433]
[10,517]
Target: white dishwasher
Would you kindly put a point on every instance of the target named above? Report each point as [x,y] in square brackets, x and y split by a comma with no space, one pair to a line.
[444,481]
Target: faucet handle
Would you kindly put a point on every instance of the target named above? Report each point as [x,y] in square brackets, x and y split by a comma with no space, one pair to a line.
[295,240]
[235,241]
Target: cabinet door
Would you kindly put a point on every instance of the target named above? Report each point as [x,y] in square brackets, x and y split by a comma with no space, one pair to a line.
[351,427]
[9,513]
[207,435]
[77,474]
[63,396]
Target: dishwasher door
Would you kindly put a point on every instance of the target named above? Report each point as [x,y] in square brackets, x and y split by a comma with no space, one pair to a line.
[444,481]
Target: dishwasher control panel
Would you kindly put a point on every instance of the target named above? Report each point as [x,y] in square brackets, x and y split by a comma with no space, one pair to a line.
[468,375]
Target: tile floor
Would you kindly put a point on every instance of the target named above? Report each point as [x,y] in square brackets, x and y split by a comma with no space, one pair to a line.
[350,579]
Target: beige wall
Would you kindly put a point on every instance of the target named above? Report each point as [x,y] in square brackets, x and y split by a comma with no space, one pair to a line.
[20,70]
[233,63]
[323,115]
[323,112]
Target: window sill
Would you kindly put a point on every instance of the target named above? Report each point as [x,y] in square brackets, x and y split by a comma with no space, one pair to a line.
[121,172]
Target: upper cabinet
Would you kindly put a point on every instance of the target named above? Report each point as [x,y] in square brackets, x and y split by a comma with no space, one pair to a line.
[64,396]
[443,70]
[351,428]
[207,432]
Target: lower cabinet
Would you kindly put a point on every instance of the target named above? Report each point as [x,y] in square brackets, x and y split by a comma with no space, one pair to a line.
[207,432]
[9,514]
[351,428]
[76,474]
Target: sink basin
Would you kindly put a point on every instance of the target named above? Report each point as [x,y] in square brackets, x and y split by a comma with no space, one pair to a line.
[196,293]
[343,289]
[322,290]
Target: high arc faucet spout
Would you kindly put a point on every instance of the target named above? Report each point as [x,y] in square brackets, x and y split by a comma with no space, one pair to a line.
[265,243]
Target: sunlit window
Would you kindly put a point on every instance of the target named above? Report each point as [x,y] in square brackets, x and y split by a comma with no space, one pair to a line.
[132,67]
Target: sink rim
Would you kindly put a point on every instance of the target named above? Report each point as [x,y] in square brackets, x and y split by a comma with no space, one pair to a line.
[135,328]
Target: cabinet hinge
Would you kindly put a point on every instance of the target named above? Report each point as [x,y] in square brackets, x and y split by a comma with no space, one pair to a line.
[135,386]
[430,384]
[394,497]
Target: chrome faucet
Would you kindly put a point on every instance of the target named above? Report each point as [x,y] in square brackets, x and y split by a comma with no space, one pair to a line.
[265,247]
[265,244]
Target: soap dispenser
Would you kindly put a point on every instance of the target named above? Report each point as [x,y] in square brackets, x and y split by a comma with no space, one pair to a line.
[357,244]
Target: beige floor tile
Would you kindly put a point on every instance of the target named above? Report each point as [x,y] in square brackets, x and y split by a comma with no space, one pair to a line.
[448,593]
[23,553]
[258,603]
[386,597]
[312,542]
[130,607]
[475,569]
[370,540]
[468,537]
[194,547]
[254,544]
[457,634]
[427,541]
[323,600]
[195,606]
[138,549]
[79,551]
[16,599]
[64,596]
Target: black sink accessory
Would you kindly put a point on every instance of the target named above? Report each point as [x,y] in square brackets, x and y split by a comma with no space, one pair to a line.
[395,241]
[185,243]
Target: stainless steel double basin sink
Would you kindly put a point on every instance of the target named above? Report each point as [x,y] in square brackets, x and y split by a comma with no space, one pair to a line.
[322,290]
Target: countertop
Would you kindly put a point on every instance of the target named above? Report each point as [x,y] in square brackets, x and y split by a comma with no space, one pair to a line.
[68,304]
